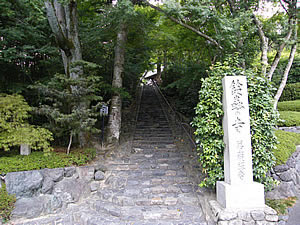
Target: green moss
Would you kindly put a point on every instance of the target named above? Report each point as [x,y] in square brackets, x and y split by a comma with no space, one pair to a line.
[12,161]
[289,106]
[6,204]
[289,119]
[287,145]
[281,205]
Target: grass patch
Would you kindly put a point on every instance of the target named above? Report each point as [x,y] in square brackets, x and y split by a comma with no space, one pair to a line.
[287,145]
[12,161]
[289,119]
[281,205]
[289,106]
[6,204]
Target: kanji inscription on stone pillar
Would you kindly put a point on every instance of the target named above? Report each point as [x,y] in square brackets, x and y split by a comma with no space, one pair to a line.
[238,190]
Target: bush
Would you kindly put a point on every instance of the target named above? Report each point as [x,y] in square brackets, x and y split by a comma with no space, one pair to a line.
[208,124]
[14,129]
[289,106]
[286,146]
[291,92]
[6,204]
[289,119]
[281,205]
[12,162]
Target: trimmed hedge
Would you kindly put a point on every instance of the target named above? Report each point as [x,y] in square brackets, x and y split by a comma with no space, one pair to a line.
[289,106]
[286,146]
[289,119]
[291,92]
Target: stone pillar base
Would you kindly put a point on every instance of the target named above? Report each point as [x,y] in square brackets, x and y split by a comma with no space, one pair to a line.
[222,216]
[240,196]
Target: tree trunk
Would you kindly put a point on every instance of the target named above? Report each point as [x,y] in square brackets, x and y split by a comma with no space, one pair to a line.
[278,54]
[64,24]
[285,75]
[114,120]
[291,59]
[264,41]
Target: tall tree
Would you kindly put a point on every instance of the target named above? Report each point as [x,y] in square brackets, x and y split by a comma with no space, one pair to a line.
[114,121]
[63,21]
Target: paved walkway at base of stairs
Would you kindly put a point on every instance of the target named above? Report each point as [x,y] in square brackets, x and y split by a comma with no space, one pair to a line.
[150,186]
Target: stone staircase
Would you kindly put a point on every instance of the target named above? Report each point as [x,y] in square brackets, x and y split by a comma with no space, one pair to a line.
[153,184]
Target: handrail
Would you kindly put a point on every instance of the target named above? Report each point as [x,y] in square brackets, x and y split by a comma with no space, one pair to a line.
[175,114]
[137,109]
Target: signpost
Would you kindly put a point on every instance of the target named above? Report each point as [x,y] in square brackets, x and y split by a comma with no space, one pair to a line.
[103,113]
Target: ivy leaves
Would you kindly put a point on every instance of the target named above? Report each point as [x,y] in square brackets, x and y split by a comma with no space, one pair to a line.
[208,123]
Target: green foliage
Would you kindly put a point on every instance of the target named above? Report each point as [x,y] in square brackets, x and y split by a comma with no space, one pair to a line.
[13,162]
[281,205]
[27,49]
[289,119]
[208,123]
[289,106]
[291,92]
[72,105]
[6,204]
[14,130]
[286,146]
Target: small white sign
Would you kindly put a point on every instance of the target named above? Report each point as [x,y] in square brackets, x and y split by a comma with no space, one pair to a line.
[104,110]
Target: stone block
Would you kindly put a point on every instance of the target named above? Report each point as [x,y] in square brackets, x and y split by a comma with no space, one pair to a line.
[223,222]
[36,206]
[70,190]
[281,168]
[272,218]
[25,149]
[28,208]
[99,175]
[258,215]
[69,171]
[269,211]
[244,216]
[156,201]
[56,174]
[100,167]
[249,223]
[24,184]
[265,223]
[236,222]
[286,176]
[94,186]
[242,196]
[227,215]
[86,173]
[47,186]
[171,201]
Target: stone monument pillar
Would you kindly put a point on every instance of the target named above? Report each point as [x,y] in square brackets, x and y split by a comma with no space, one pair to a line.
[238,191]
[25,149]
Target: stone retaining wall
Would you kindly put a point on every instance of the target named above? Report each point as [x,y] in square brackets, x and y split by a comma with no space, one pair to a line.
[48,191]
[289,176]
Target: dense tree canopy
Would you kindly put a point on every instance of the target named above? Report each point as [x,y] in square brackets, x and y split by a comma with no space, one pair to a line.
[186,38]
